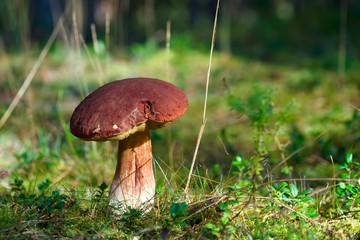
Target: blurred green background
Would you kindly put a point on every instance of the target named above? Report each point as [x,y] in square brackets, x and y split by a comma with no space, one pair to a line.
[286,31]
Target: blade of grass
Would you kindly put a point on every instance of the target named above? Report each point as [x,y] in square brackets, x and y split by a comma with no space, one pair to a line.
[163,173]
[107,31]
[96,65]
[202,128]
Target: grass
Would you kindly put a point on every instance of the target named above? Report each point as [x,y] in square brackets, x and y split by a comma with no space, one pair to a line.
[279,158]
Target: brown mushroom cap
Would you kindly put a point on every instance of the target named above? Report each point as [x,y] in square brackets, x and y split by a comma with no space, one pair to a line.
[123,107]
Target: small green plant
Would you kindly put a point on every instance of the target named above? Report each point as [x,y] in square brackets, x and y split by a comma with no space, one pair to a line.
[49,203]
[17,186]
[348,193]
[259,109]
[267,121]
[224,226]
[178,211]
[300,201]
[131,216]
[41,158]
[241,169]
[100,191]
[42,203]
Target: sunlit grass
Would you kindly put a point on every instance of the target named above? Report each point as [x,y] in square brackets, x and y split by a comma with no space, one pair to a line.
[52,188]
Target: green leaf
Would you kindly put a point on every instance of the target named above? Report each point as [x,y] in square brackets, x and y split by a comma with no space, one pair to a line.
[349,157]
[212,227]
[303,193]
[178,209]
[312,213]
[343,166]
[282,185]
[181,223]
[286,170]
[159,189]
[223,206]
[44,185]
[225,218]
[342,185]
[236,161]
[293,189]
[306,199]
[102,186]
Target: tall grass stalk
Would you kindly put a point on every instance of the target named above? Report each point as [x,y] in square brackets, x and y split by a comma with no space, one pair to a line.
[107,31]
[95,62]
[75,29]
[94,36]
[76,40]
[171,144]
[202,127]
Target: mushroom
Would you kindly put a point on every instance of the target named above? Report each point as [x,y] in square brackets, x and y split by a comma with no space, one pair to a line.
[125,111]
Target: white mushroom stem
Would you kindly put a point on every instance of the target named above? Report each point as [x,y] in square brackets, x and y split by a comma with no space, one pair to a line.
[134,183]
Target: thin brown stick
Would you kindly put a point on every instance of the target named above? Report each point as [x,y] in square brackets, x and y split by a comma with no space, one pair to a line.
[222,198]
[355,107]
[202,128]
[168,35]
[107,31]
[76,31]
[310,179]
[94,37]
